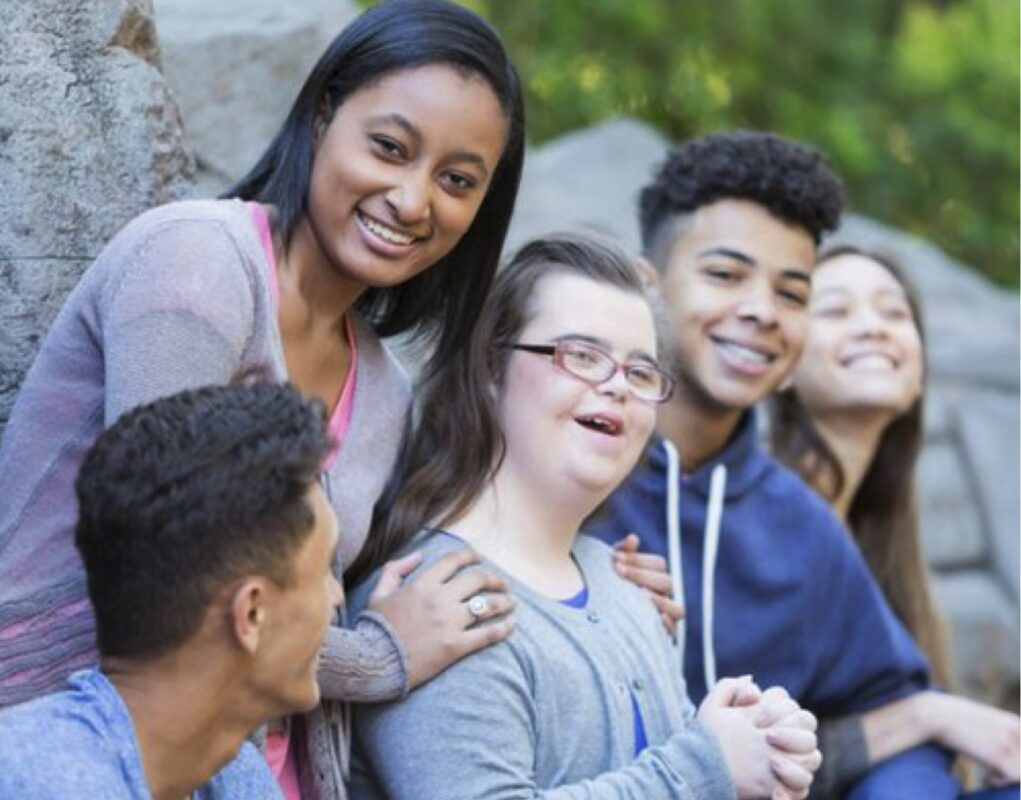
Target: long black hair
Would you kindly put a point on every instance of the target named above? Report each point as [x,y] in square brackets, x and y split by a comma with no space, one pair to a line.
[442,302]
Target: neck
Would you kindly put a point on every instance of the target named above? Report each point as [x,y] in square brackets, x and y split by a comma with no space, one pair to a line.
[314,294]
[698,433]
[528,532]
[854,441]
[185,711]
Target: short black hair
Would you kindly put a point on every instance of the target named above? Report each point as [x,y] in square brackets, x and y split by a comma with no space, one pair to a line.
[442,303]
[183,495]
[790,180]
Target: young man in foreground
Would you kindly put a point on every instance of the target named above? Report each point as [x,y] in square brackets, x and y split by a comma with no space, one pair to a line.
[773,585]
[207,546]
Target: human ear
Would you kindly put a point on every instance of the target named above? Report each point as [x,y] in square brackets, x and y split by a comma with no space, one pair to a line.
[322,121]
[248,614]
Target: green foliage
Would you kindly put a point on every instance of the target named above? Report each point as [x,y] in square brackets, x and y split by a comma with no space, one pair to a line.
[915,101]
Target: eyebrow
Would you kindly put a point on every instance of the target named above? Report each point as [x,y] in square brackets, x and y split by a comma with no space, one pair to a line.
[791,273]
[603,344]
[413,131]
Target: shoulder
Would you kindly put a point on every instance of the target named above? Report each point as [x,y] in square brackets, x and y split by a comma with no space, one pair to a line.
[783,490]
[179,243]
[247,775]
[433,545]
[81,756]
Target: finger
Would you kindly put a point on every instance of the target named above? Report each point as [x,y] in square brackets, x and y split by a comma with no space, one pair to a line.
[726,689]
[483,636]
[497,605]
[780,794]
[649,561]
[629,544]
[666,606]
[658,582]
[747,695]
[449,565]
[800,718]
[393,573]
[669,625]
[792,740]
[793,777]
[469,584]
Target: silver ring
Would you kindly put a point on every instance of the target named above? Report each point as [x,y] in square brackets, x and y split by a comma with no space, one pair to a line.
[478,606]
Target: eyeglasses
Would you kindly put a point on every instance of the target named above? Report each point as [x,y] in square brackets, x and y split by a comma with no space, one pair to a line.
[595,366]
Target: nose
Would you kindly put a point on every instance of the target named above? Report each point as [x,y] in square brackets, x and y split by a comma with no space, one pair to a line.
[868,324]
[410,197]
[617,386]
[759,304]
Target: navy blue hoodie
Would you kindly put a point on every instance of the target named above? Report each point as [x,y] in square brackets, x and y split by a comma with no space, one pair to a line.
[794,603]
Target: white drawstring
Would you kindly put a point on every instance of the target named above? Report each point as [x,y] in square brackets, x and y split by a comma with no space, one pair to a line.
[714,516]
[673,529]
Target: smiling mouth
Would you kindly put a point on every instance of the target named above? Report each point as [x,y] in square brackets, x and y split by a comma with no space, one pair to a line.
[870,361]
[601,424]
[743,353]
[385,232]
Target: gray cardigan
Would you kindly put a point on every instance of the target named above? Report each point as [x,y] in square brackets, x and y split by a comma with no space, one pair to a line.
[180,298]
[548,712]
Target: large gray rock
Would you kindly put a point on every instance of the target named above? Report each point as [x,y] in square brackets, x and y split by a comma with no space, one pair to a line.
[235,67]
[983,635]
[89,137]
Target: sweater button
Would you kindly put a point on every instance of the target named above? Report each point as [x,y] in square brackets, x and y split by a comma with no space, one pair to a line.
[593,616]
[638,685]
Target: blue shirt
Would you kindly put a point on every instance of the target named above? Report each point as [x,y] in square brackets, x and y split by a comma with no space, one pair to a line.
[80,742]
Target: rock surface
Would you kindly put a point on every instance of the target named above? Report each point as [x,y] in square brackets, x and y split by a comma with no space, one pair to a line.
[89,137]
[235,68]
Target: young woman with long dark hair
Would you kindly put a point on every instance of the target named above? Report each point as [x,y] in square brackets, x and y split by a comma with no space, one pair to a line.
[517,440]
[379,208]
[851,425]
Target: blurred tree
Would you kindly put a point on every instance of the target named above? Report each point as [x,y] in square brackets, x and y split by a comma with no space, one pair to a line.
[915,101]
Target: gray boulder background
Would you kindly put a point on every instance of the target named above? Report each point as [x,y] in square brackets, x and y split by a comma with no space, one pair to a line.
[89,137]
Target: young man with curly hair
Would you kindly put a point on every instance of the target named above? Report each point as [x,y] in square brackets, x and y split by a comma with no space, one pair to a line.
[773,585]
[208,545]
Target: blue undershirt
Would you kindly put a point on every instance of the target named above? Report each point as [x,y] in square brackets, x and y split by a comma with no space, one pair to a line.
[580,600]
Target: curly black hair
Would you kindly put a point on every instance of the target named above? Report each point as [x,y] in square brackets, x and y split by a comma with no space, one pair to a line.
[791,180]
[183,495]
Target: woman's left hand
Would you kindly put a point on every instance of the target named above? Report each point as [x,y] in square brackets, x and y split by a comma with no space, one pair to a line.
[649,572]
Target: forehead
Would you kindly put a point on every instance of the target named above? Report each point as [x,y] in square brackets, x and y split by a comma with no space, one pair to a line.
[570,304]
[439,100]
[855,273]
[745,227]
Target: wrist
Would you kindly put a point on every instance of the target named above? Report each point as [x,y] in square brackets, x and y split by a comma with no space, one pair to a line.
[929,714]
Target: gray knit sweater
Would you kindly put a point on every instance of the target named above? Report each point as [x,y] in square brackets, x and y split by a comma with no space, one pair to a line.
[548,712]
[180,298]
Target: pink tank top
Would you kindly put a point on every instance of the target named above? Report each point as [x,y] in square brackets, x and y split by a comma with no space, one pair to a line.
[279,754]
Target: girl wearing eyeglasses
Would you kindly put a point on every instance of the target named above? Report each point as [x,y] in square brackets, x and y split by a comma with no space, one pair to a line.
[519,437]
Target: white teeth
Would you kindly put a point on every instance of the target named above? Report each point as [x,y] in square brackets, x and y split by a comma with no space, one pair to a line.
[385,233]
[598,423]
[745,353]
[871,361]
